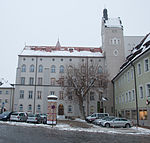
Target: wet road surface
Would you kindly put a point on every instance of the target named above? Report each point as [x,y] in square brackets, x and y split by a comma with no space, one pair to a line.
[20,134]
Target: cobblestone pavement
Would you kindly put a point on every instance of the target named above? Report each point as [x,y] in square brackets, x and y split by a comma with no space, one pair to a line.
[24,134]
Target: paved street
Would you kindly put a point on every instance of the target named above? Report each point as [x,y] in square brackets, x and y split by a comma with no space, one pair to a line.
[25,134]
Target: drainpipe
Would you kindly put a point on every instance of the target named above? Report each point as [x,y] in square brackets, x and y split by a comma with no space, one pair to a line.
[136,100]
[113,97]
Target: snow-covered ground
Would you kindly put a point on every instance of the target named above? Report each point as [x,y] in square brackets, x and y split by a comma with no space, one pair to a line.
[96,129]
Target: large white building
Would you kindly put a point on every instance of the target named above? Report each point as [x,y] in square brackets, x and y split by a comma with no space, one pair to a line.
[41,68]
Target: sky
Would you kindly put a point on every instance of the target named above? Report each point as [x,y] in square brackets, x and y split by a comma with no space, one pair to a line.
[74,22]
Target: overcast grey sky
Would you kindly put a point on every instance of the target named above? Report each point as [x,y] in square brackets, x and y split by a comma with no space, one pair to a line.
[75,22]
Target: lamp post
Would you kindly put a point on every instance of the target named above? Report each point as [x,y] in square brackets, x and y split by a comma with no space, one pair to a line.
[136,98]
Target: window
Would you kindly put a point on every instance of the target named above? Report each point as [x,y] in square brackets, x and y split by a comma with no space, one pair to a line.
[83,69]
[70,60]
[31,80]
[53,81]
[61,70]
[126,97]
[0,92]
[128,76]
[23,80]
[30,94]
[146,65]
[29,107]
[32,68]
[40,68]
[52,93]
[7,92]
[133,95]
[92,110]
[40,81]
[53,69]
[38,108]
[100,70]
[0,100]
[20,107]
[132,74]
[116,100]
[130,97]
[92,96]
[61,81]
[6,100]
[148,90]
[70,109]
[143,114]
[139,69]
[23,68]
[61,96]
[141,91]
[39,94]
[21,94]
[122,98]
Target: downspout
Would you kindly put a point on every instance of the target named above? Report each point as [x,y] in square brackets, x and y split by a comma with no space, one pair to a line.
[35,86]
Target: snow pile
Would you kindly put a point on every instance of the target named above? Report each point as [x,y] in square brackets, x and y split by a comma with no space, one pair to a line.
[94,129]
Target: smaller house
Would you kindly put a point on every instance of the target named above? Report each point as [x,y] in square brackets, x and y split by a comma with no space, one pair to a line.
[6,96]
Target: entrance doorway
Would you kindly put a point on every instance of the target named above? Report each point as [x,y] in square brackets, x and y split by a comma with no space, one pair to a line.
[60,109]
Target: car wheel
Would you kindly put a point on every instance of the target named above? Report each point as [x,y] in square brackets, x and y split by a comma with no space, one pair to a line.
[127,125]
[107,125]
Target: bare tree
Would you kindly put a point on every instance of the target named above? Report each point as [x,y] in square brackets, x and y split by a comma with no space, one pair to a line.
[83,78]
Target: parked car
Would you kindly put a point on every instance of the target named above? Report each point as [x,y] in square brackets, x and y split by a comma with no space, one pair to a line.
[43,118]
[5,116]
[98,121]
[34,118]
[19,116]
[95,116]
[117,122]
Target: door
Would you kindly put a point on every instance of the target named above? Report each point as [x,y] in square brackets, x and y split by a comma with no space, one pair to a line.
[60,109]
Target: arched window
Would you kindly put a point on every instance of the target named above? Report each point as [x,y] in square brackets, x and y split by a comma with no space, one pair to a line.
[40,68]
[69,108]
[20,107]
[100,70]
[53,69]
[61,70]
[23,68]
[32,68]
[38,108]
[29,107]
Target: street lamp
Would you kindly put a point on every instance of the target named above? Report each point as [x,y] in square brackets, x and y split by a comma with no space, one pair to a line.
[136,98]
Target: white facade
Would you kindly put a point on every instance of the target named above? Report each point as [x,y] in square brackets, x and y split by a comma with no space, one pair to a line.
[39,71]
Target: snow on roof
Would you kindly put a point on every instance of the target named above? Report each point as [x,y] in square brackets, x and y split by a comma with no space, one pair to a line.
[113,22]
[61,51]
[139,50]
[5,84]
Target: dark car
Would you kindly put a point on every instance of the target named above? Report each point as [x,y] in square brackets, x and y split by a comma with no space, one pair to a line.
[5,116]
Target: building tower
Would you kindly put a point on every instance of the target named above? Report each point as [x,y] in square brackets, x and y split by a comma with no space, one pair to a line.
[113,47]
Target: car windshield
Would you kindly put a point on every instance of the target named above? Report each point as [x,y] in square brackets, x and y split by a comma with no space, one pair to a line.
[5,113]
[104,118]
[15,114]
[31,115]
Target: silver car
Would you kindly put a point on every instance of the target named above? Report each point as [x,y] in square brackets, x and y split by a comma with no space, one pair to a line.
[34,118]
[117,122]
[18,116]
[107,118]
